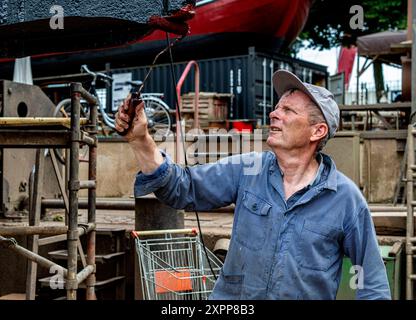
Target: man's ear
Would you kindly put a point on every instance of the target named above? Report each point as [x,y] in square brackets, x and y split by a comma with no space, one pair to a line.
[319,131]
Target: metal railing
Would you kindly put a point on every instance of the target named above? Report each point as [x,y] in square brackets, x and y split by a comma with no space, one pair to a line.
[179,149]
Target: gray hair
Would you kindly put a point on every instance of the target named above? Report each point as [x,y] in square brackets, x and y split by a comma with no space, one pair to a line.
[315,117]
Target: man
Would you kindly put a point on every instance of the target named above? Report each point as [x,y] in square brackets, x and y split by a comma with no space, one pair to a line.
[294,219]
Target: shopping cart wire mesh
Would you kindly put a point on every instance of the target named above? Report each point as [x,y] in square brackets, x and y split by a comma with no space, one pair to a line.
[174,266]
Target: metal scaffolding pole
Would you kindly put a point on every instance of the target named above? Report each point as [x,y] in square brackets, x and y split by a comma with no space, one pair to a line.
[413,85]
[43,230]
[73,187]
[411,168]
[92,176]
[11,244]
[409,221]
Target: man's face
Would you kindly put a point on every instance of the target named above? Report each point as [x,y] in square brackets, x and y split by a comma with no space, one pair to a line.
[289,122]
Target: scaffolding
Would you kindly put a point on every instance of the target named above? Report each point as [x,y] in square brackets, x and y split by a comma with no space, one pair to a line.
[41,133]
[411,204]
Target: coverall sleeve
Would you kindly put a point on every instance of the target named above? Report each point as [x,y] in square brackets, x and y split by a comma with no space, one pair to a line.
[200,187]
[360,244]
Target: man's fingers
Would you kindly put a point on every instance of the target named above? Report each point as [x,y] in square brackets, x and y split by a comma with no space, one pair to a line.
[126,102]
[139,109]
[120,123]
[124,117]
[126,105]
[119,128]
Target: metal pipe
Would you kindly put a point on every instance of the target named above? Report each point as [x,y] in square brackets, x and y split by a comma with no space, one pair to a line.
[43,230]
[92,176]
[12,245]
[413,65]
[66,180]
[92,100]
[87,184]
[32,230]
[196,109]
[387,209]
[73,184]
[34,220]
[83,274]
[409,220]
[87,139]
[127,204]
[191,231]
[357,96]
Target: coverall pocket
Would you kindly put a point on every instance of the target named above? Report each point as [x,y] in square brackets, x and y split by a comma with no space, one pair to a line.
[252,223]
[228,287]
[318,246]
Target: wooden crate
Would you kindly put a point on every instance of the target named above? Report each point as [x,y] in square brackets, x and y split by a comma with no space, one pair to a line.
[213,106]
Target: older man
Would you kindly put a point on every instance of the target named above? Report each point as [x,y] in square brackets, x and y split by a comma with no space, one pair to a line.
[294,219]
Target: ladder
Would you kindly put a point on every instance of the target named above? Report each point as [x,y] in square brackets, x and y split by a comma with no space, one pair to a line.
[411,204]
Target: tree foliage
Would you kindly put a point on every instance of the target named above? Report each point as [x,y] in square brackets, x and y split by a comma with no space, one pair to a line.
[328,24]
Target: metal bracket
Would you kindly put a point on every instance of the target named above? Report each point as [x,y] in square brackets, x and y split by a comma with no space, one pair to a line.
[71,284]
[73,185]
[73,235]
[7,242]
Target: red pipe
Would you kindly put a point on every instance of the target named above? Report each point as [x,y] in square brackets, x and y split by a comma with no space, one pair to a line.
[196,108]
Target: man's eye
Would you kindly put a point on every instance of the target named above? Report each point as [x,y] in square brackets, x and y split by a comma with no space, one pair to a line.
[285,109]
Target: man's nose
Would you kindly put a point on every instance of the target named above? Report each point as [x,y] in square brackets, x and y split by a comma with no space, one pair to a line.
[274,113]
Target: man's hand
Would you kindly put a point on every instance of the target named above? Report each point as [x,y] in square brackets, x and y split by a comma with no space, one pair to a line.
[142,144]
[138,128]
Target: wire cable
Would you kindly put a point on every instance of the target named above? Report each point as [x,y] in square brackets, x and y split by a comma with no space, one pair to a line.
[183,144]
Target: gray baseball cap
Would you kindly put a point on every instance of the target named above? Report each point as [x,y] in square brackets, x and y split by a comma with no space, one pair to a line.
[284,80]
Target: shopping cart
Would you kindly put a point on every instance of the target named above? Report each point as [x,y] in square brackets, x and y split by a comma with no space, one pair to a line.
[174,266]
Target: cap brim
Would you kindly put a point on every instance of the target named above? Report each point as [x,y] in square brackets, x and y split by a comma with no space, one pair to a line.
[284,80]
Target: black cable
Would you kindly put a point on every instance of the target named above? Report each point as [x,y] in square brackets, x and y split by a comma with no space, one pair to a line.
[183,144]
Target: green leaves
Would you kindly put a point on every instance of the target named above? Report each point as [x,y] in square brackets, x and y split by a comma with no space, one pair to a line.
[328,24]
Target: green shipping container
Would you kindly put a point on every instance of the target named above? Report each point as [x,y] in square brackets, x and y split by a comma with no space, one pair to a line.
[392,256]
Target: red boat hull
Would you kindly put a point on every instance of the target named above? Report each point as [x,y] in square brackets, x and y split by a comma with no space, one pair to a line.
[281,19]
[219,28]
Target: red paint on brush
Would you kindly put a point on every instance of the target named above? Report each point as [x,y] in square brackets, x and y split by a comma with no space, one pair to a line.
[174,23]
[164,24]
[184,14]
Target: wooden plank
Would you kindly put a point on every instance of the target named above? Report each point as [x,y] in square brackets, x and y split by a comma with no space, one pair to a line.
[34,138]
[13,296]
[384,134]
[390,223]
[38,121]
